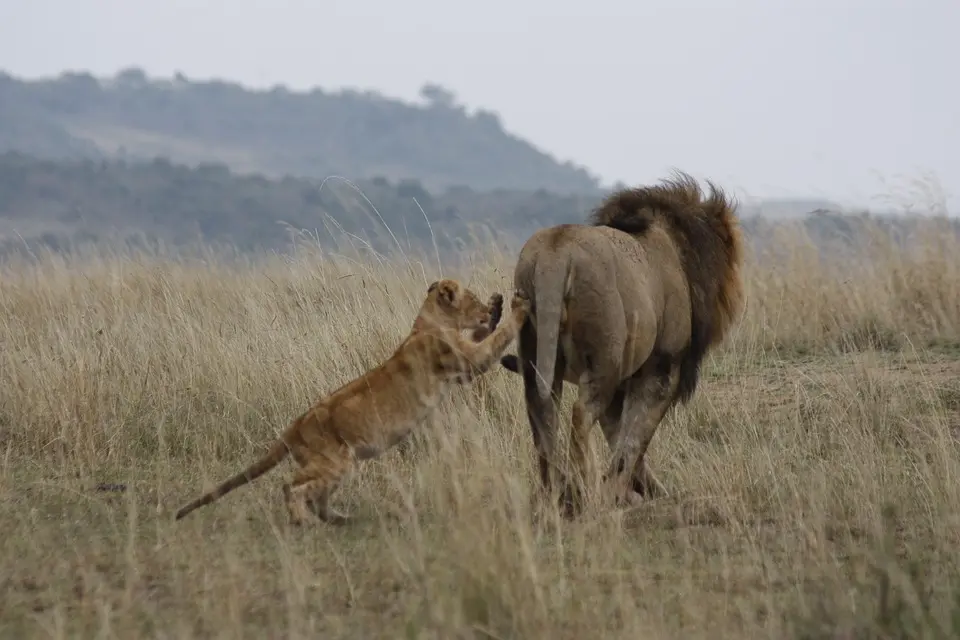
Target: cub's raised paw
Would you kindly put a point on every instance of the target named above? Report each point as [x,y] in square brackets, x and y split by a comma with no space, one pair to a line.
[496,310]
[520,302]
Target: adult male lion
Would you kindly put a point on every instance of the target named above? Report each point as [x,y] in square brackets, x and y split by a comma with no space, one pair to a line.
[626,308]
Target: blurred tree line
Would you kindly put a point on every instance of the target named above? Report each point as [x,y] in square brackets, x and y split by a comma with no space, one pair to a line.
[89,199]
[56,202]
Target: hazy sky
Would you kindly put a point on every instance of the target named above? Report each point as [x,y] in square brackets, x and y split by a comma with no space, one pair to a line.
[843,99]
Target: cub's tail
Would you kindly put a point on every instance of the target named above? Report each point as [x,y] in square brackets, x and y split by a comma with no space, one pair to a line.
[278,451]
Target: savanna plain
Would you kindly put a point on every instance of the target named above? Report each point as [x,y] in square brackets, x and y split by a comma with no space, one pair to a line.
[814,477]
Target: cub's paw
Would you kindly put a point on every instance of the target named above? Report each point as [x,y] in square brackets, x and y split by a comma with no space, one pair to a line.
[496,310]
[520,304]
[510,362]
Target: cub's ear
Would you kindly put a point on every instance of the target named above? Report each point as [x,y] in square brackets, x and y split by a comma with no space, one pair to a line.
[448,291]
[433,285]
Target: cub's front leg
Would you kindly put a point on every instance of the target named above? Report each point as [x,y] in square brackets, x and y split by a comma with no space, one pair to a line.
[479,357]
[496,313]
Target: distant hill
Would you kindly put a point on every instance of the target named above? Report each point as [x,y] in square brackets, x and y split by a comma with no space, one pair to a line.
[58,202]
[276,132]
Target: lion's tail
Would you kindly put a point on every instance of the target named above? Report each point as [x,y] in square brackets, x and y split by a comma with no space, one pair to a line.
[551,282]
[273,457]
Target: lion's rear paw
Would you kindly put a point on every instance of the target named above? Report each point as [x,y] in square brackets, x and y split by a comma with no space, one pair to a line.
[630,500]
[648,486]
[621,495]
[572,502]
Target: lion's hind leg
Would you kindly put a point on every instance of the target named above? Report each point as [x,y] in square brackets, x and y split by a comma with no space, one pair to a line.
[649,395]
[542,414]
[645,483]
[579,489]
[591,404]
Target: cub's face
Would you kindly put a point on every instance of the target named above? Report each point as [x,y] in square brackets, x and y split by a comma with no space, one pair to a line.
[457,307]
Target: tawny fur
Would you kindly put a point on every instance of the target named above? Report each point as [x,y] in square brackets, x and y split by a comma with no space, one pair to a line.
[496,311]
[374,412]
[626,307]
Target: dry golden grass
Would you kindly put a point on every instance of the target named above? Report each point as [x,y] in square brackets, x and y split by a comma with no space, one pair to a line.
[815,477]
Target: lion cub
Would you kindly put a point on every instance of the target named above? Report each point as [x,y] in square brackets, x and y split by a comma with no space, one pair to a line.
[374,412]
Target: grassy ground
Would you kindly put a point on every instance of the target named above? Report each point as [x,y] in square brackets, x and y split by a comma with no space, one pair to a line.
[814,477]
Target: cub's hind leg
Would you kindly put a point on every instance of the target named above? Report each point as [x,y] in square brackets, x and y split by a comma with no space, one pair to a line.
[318,501]
[313,486]
[296,506]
